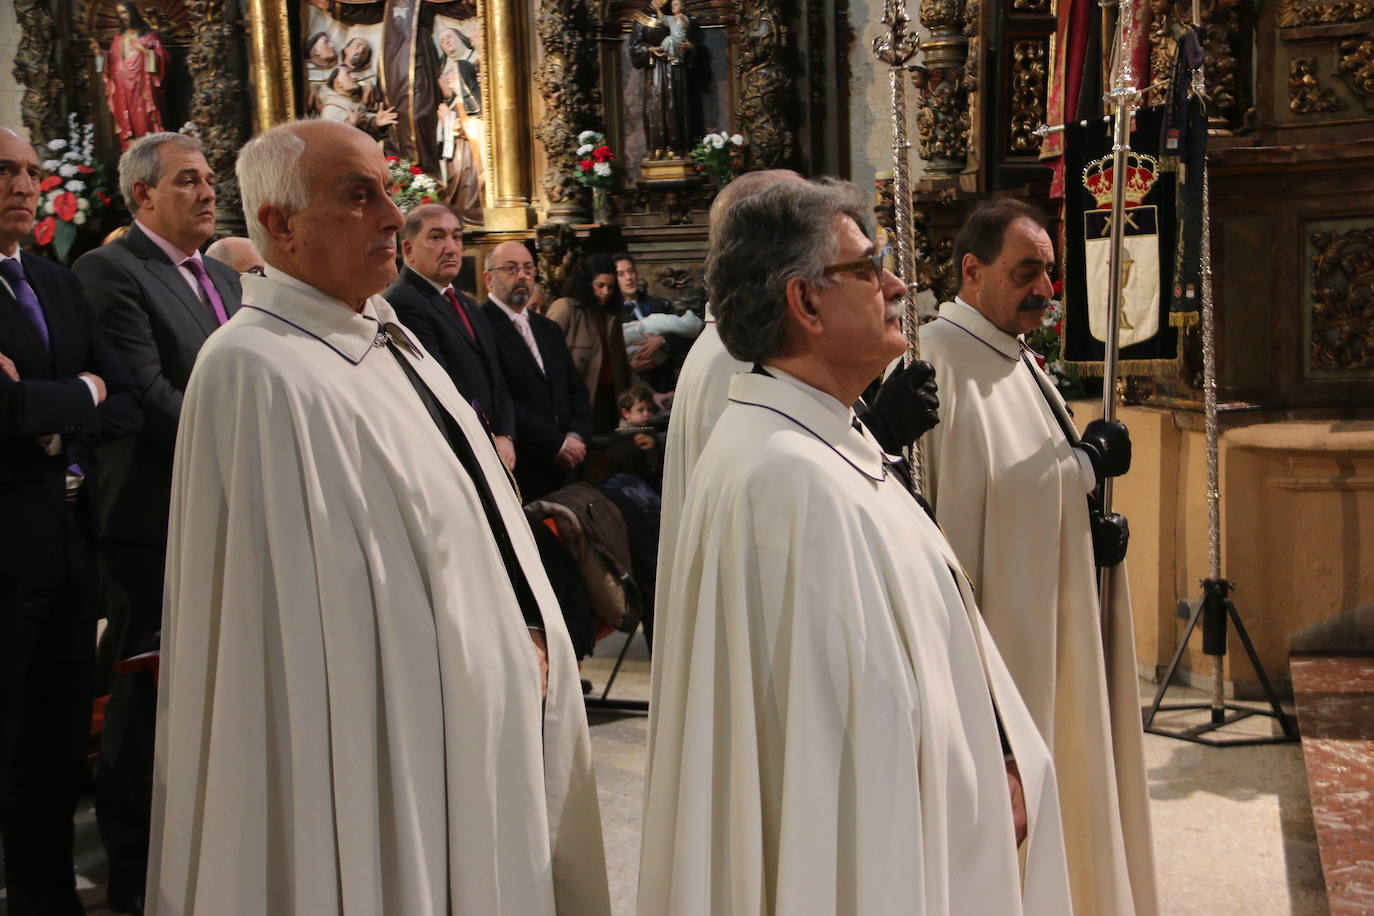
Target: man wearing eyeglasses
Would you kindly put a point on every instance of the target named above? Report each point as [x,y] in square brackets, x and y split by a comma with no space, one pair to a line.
[828,708]
[1010,477]
[553,414]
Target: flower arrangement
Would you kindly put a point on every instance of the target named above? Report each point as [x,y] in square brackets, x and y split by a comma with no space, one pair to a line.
[1047,340]
[719,155]
[73,195]
[594,160]
[410,186]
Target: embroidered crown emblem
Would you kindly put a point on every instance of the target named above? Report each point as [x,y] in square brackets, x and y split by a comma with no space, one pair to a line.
[1141,174]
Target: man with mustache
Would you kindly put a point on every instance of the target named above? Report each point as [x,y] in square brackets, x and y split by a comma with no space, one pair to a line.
[824,729]
[446,322]
[352,714]
[158,300]
[553,413]
[63,391]
[1010,479]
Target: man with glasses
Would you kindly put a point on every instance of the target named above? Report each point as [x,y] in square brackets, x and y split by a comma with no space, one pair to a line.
[553,414]
[1010,479]
[828,706]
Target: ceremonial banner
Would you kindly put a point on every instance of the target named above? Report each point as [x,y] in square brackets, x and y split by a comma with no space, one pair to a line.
[1148,341]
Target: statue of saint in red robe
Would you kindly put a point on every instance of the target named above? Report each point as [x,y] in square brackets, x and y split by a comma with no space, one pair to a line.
[133,67]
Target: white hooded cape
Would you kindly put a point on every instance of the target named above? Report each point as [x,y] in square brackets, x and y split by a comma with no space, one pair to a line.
[349,718]
[1009,493]
[827,741]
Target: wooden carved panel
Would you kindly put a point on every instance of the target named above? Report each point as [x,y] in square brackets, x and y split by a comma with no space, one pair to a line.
[1305,91]
[1296,13]
[1029,75]
[1339,299]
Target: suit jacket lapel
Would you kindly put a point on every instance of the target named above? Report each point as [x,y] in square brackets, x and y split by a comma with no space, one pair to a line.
[59,344]
[440,302]
[231,302]
[16,330]
[170,276]
[507,327]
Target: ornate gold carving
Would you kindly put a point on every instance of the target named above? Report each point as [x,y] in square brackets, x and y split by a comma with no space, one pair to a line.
[1295,13]
[1028,85]
[1341,291]
[934,258]
[565,81]
[942,94]
[1030,6]
[765,87]
[1356,66]
[1305,94]
[33,68]
[1220,25]
[215,108]
[556,247]
[1162,48]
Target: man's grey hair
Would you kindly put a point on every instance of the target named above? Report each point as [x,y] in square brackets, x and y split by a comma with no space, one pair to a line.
[762,242]
[142,161]
[269,172]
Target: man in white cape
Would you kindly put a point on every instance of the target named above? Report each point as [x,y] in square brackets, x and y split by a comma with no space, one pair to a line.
[827,718]
[350,715]
[1011,491]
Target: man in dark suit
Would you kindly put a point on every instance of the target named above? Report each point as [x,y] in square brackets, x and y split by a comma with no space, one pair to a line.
[553,413]
[157,300]
[447,322]
[62,392]
[659,357]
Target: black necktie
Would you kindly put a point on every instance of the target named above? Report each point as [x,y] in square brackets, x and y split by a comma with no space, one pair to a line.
[462,449]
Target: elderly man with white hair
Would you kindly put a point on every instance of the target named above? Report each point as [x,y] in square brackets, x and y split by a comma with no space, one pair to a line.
[350,716]
[831,717]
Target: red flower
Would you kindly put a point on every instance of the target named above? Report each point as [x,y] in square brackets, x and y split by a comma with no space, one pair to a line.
[416,170]
[585,165]
[426,200]
[52,181]
[103,198]
[43,231]
[1059,329]
[65,206]
[393,159]
[602,153]
[85,169]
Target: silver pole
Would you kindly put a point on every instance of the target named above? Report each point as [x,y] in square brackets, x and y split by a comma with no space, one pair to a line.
[1123,98]
[896,47]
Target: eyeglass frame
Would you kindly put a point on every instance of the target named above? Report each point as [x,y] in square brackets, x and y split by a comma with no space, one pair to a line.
[514,270]
[875,261]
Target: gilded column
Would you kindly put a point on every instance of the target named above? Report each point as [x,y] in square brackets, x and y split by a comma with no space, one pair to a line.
[508,117]
[270,56]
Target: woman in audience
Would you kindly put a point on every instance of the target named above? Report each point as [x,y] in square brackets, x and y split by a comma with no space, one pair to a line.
[589,314]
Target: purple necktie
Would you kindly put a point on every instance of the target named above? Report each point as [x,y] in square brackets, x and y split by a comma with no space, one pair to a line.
[14,275]
[211,294]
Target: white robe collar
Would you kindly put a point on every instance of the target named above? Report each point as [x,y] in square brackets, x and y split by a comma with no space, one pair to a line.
[969,319]
[813,412]
[331,321]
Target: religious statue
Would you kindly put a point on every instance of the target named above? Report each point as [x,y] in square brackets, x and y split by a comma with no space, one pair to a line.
[133,68]
[659,46]
[408,64]
[342,98]
[461,132]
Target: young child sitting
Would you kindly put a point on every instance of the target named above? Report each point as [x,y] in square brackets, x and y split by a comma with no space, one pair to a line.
[637,409]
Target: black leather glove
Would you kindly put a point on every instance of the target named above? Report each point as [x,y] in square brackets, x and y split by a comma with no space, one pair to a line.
[1108,447]
[1111,534]
[905,408]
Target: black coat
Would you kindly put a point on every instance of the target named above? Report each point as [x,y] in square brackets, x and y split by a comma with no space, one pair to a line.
[157,326]
[472,364]
[49,398]
[548,405]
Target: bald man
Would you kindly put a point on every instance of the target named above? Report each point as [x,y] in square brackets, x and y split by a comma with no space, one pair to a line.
[237,252]
[351,715]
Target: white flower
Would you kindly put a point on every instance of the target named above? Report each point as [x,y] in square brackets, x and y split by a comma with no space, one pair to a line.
[67,170]
[737,139]
[80,218]
[602,168]
[585,149]
[716,141]
[586,136]
[57,144]
[75,185]
[83,204]
[50,164]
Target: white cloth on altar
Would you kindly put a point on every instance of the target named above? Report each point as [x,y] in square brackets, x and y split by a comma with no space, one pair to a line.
[349,715]
[826,735]
[1008,490]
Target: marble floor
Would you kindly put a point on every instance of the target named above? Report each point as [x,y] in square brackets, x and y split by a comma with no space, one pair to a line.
[1232,826]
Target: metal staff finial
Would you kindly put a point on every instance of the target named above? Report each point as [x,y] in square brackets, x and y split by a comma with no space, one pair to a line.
[896,47]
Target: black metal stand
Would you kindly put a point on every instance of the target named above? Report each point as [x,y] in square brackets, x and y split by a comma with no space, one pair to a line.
[1214,610]
[602,702]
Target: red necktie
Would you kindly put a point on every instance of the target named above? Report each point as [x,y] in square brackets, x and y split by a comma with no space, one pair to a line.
[462,312]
